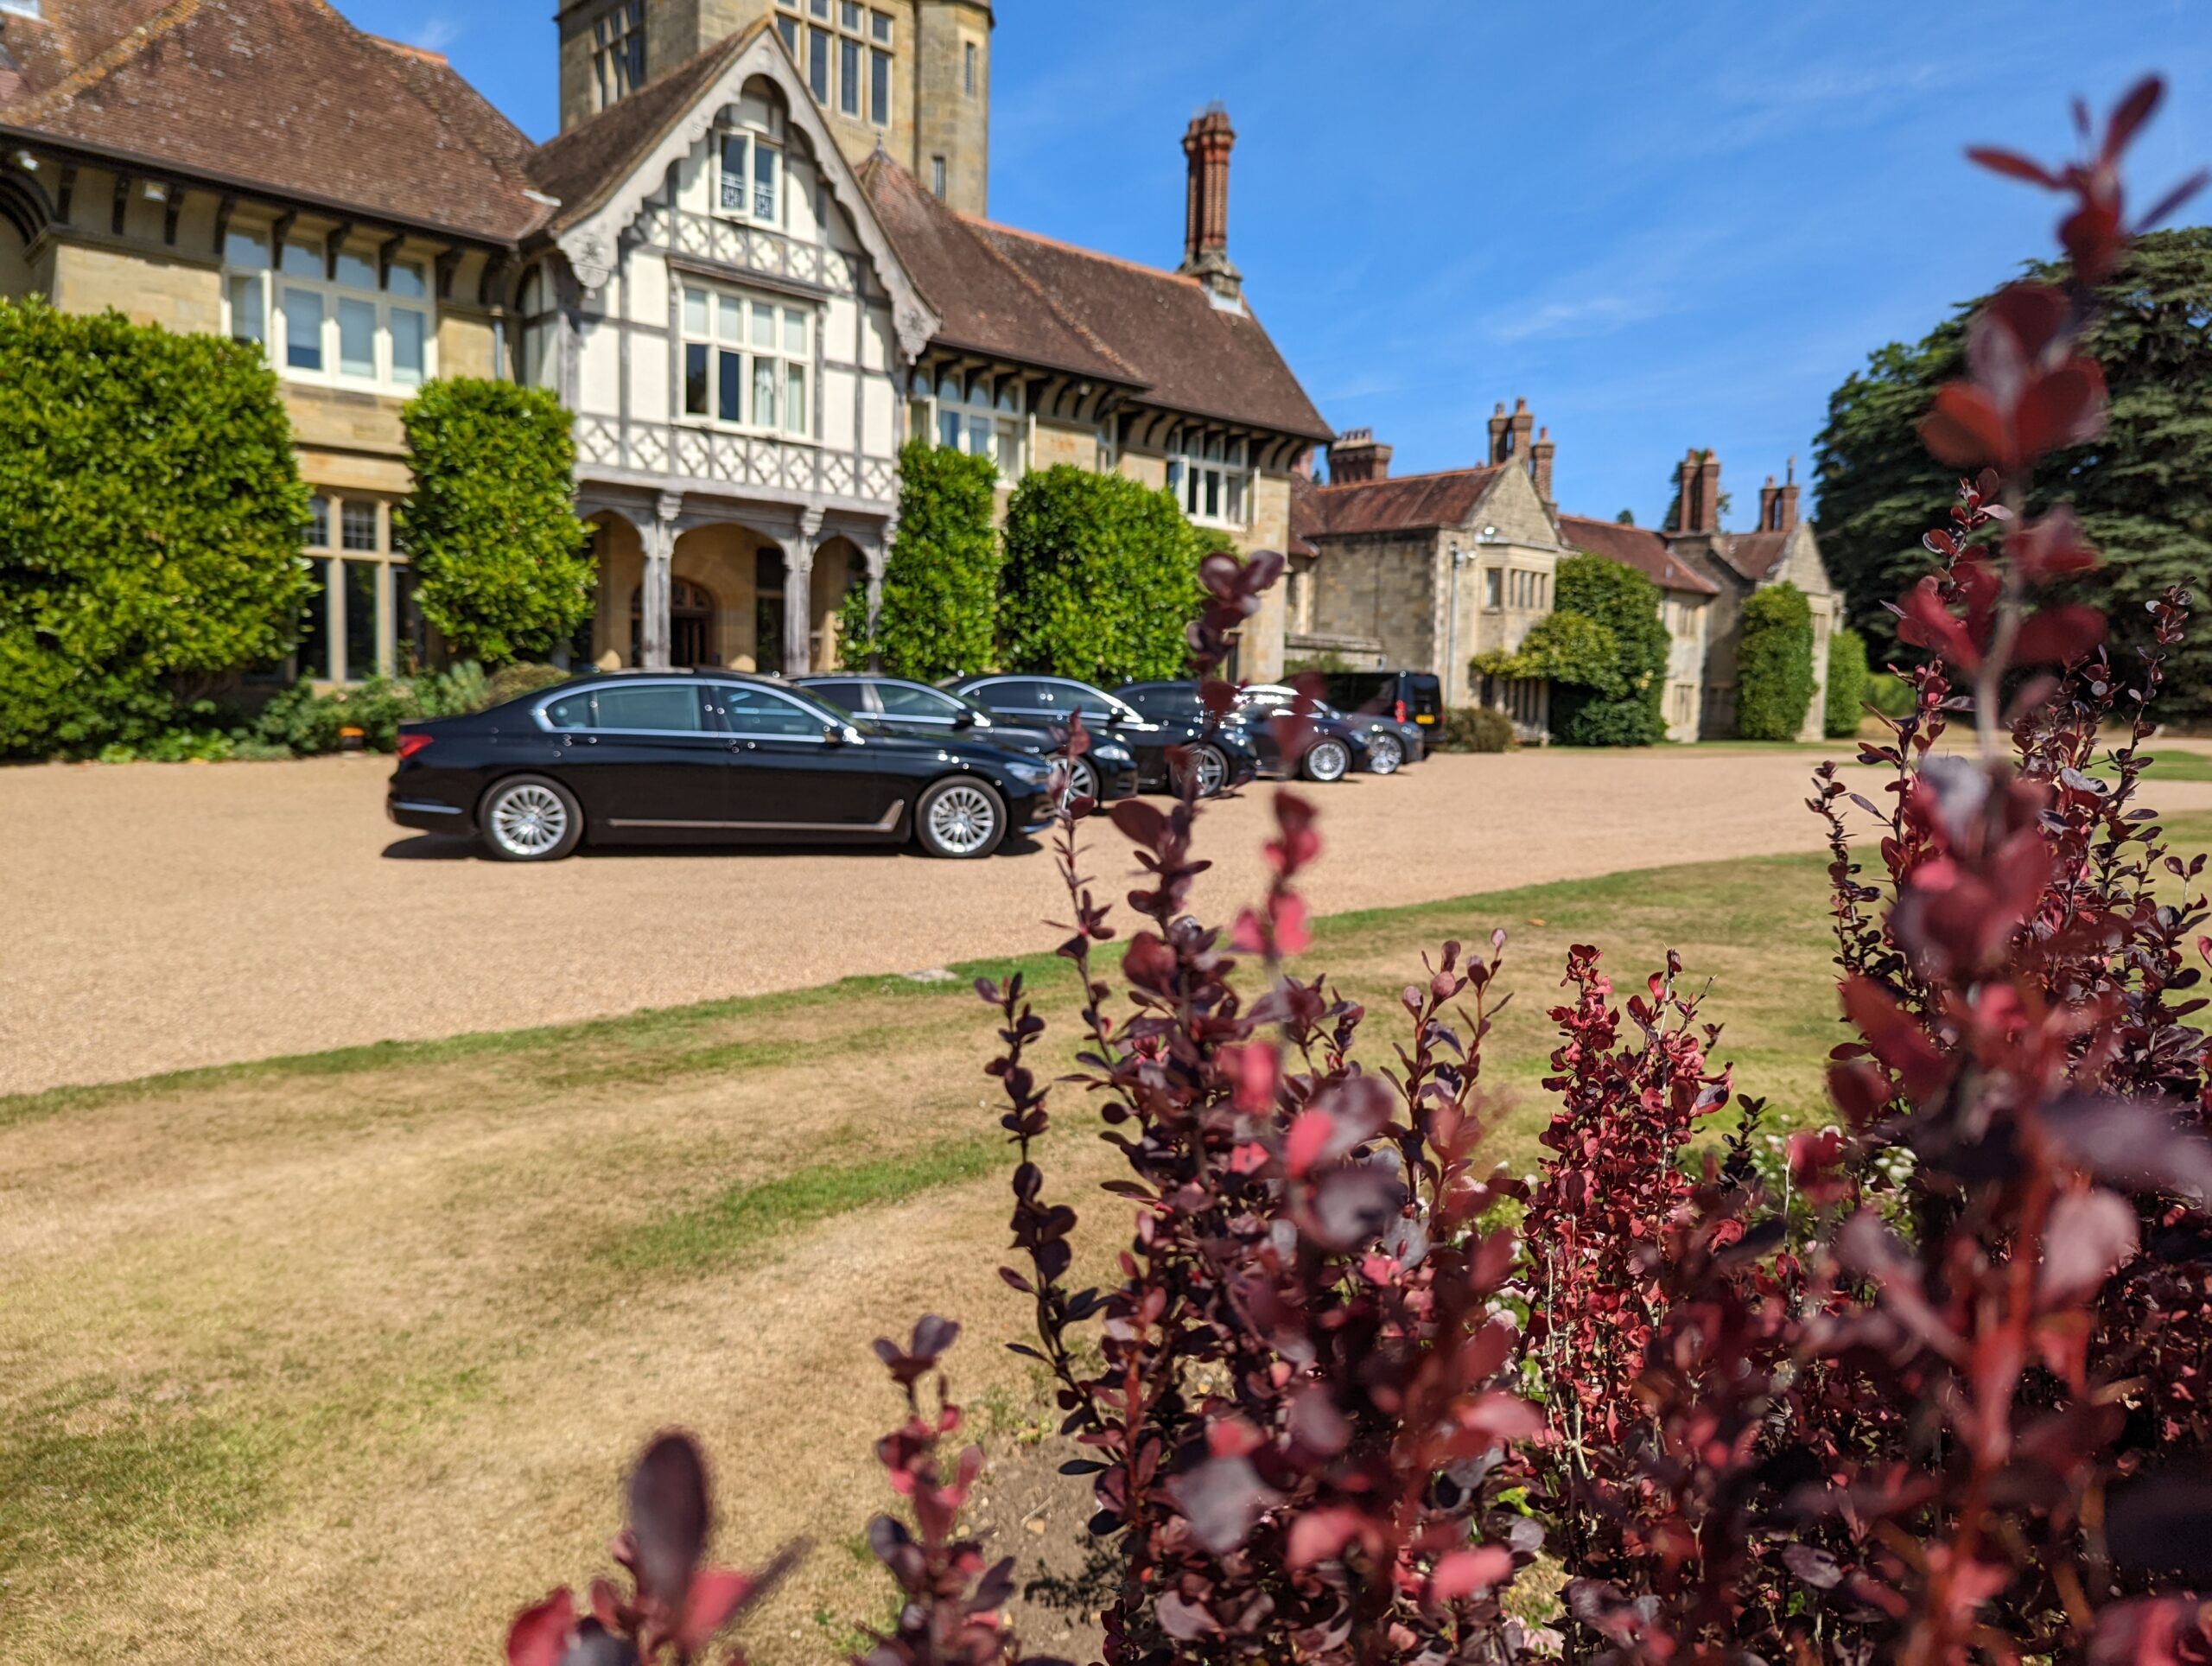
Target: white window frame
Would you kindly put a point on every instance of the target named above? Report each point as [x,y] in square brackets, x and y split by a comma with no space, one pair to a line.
[254,308]
[747,207]
[860,51]
[332,544]
[743,342]
[1210,474]
[993,417]
[618,52]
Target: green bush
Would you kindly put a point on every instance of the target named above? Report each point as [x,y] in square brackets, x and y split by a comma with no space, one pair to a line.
[1848,681]
[939,610]
[512,682]
[1890,694]
[503,567]
[1626,707]
[1101,579]
[150,520]
[1479,729]
[1775,666]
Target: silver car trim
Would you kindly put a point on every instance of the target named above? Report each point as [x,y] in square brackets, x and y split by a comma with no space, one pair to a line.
[889,823]
[424,807]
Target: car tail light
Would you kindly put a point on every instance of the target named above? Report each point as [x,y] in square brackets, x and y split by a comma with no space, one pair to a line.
[1402,711]
[411,744]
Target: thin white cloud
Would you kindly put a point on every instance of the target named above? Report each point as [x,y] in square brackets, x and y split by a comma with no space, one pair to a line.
[435,34]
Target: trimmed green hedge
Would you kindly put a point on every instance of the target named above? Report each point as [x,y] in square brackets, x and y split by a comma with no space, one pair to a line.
[503,567]
[150,521]
[1101,579]
[1774,690]
[939,608]
[1849,682]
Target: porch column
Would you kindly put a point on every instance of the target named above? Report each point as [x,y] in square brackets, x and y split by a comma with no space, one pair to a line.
[878,555]
[798,596]
[654,604]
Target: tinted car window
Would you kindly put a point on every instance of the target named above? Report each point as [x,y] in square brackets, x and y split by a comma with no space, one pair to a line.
[663,709]
[1095,705]
[570,712]
[848,696]
[1161,703]
[1424,692]
[1020,694]
[756,711]
[900,700]
[1362,690]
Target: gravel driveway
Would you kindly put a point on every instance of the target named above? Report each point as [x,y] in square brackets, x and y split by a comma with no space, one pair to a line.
[162,916]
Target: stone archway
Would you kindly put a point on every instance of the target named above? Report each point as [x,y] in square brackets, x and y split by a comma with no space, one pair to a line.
[694,626]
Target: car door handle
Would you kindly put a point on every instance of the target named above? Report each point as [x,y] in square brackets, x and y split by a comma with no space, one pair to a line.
[743,746]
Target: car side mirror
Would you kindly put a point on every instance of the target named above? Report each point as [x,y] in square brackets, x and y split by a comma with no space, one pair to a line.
[836,734]
[963,720]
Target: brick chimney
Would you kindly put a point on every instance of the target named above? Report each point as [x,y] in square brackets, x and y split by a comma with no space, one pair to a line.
[1540,466]
[1524,429]
[1500,429]
[1206,145]
[1700,487]
[1770,497]
[1785,508]
[1356,458]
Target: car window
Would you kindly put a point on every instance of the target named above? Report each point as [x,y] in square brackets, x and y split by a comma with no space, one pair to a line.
[1020,694]
[1362,690]
[757,711]
[846,696]
[660,708]
[571,711]
[903,699]
[1160,704]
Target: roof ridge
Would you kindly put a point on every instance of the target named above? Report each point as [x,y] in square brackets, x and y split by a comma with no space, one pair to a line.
[107,60]
[1400,479]
[980,221]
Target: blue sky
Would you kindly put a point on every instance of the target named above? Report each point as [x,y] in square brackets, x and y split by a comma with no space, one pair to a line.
[1662,225]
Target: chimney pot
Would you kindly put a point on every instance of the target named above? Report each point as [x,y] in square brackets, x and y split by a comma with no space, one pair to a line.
[1356,458]
[1206,146]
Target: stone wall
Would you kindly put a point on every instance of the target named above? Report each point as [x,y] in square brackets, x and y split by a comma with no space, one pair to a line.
[175,292]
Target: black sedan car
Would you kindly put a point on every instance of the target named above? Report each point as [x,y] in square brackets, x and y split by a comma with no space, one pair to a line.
[1390,745]
[1331,750]
[1107,771]
[1222,755]
[684,758]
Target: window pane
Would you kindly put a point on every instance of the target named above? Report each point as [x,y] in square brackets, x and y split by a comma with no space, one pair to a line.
[789,27]
[880,25]
[694,380]
[764,393]
[849,77]
[734,173]
[763,326]
[730,319]
[795,398]
[407,281]
[571,711]
[695,312]
[848,14]
[979,436]
[899,701]
[412,649]
[356,271]
[1236,499]
[1490,598]
[249,315]
[1009,451]
[410,349]
[732,407]
[948,428]
[303,260]
[1213,495]
[820,8]
[818,64]
[302,329]
[948,387]
[247,251]
[357,337]
[358,526]
[794,331]
[967,72]
[663,709]
[1009,394]
[360,621]
[756,711]
[765,162]
[318,523]
[879,106]
[313,650]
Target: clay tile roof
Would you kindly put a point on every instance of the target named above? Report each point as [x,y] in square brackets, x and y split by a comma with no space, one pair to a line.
[65,36]
[1405,504]
[1637,547]
[1027,298]
[282,96]
[1755,555]
[581,166]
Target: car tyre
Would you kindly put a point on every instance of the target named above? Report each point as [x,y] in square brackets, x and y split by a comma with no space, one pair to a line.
[1083,780]
[960,819]
[530,818]
[1209,763]
[1326,759]
[1386,754]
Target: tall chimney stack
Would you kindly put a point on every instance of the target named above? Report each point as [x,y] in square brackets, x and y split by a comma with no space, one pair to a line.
[1540,466]
[1206,145]
[1786,506]
[1699,514]
[1770,498]
[1501,428]
[1708,493]
[1524,430]
[1356,458]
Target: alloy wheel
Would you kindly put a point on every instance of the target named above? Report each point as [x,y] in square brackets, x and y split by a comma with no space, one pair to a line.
[963,819]
[1386,754]
[528,820]
[1329,760]
[1083,780]
[1213,771]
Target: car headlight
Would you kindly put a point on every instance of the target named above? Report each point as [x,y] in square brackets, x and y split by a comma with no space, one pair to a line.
[1028,773]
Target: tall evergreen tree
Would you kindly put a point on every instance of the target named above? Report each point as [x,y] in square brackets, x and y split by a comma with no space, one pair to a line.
[2143,492]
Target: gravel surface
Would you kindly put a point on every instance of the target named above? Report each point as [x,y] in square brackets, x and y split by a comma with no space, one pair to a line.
[164,916]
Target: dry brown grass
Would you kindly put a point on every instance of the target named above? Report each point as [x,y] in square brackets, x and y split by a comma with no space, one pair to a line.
[343,1357]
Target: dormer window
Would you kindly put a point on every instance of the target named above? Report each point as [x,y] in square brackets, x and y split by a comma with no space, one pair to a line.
[752,178]
[618,50]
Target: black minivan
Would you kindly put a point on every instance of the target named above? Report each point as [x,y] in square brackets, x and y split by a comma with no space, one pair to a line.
[1405,696]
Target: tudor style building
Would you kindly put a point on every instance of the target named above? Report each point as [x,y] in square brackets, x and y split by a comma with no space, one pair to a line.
[746,325]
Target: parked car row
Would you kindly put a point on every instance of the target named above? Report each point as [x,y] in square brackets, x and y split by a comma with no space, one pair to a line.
[698,757]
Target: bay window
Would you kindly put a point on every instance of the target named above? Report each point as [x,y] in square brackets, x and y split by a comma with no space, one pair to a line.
[341,316]
[1208,474]
[748,362]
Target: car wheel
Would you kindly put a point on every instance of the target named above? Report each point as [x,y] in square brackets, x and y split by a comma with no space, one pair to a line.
[960,819]
[1208,765]
[1083,780]
[1326,759]
[1386,754]
[530,818]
